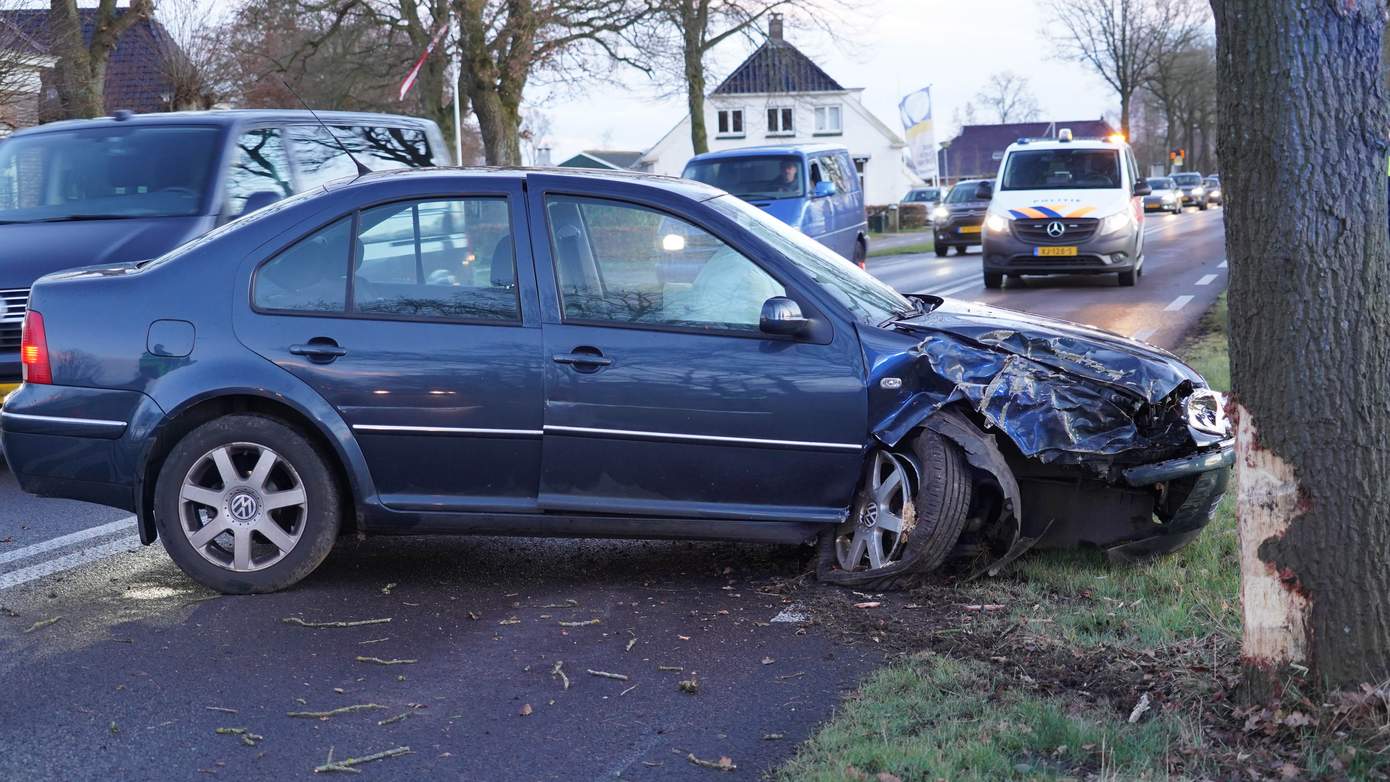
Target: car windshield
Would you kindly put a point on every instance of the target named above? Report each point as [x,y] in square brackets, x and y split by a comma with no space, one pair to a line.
[917,196]
[1161,184]
[871,301]
[963,192]
[1187,180]
[107,172]
[757,178]
[1062,169]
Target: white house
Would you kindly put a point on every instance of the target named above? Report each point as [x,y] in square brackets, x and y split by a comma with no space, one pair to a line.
[779,96]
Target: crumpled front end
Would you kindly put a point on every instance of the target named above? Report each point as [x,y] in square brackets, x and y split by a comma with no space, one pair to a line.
[1110,442]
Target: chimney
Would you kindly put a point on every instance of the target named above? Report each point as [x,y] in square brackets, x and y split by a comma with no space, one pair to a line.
[774,27]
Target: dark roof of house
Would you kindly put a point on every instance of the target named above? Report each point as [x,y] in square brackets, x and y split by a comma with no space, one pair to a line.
[971,152]
[777,67]
[135,78]
[614,158]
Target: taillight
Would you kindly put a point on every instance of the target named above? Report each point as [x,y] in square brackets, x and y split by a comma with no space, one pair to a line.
[33,351]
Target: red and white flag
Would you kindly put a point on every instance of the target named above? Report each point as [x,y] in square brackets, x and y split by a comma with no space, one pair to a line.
[420,63]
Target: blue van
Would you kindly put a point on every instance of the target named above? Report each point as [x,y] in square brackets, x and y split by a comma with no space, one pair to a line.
[811,187]
[134,186]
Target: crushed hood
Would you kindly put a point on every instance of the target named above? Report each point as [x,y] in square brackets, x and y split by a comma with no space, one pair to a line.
[1059,390]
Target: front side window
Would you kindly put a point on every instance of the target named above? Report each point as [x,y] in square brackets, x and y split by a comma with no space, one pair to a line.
[309,276]
[1062,169]
[828,119]
[449,259]
[621,263]
[779,121]
[112,171]
[260,165]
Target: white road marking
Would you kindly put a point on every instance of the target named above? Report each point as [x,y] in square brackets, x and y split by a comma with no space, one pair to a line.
[68,562]
[1177,304]
[1143,334]
[1221,265]
[63,541]
[1206,279]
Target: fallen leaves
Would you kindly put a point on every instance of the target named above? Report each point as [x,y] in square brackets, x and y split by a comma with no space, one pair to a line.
[526,710]
[1137,713]
[689,686]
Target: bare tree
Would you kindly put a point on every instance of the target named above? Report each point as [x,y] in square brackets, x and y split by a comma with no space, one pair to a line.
[1309,341]
[193,54]
[81,65]
[1008,96]
[20,67]
[1121,39]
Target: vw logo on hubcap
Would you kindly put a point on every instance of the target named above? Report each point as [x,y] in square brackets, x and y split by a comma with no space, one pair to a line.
[869,516]
[244,506]
[1055,229]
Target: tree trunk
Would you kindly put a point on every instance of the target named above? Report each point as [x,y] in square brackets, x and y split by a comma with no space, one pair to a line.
[693,50]
[1304,112]
[499,123]
[1125,98]
[81,65]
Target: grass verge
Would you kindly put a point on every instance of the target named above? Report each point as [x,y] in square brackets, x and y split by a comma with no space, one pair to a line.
[1068,667]
[925,245]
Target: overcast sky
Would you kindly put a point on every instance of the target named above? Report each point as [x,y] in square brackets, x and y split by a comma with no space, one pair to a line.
[949,44]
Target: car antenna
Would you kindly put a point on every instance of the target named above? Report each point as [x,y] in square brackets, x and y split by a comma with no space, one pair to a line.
[361,169]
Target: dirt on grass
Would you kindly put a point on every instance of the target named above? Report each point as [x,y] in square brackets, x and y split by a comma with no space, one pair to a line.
[1195,678]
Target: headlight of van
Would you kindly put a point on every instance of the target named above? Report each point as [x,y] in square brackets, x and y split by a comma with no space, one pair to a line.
[1119,221]
[996,223]
[940,214]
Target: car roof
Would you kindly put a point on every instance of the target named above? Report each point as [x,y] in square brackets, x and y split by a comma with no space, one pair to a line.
[229,117]
[780,149]
[685,187]
[1080,143]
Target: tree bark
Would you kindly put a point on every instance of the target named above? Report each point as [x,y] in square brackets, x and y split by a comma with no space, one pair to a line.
[695,18]
[1303,111]
[81,65]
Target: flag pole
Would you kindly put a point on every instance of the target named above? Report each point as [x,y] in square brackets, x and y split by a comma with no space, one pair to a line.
[458,118]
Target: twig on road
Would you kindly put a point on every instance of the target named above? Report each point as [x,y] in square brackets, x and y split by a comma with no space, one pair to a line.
[323,715]
[622,677]
[346,764]
[557,672]
[42,623]
[380,661]
[294,620]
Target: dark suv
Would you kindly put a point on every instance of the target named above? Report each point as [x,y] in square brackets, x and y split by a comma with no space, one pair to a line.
[134,186]
[957,221]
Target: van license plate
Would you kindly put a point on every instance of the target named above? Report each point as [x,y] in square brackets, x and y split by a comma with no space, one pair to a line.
[969,229]
[1054,252]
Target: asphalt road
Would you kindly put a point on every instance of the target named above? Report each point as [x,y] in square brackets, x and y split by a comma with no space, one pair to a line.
[141,666]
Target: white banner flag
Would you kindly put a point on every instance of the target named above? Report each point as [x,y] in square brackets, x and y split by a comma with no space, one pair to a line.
[916,114]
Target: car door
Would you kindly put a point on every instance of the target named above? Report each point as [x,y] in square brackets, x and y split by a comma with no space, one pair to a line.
[407,316]
[662,396]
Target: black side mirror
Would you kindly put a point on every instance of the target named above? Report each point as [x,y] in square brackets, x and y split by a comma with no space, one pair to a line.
[782,316]
[259,200]
[1141,188]
[984,191]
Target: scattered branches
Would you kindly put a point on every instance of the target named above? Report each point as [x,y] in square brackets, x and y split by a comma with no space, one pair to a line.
[294,620]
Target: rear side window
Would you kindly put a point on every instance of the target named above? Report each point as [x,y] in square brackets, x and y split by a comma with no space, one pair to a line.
[320,156]
[260,164]
[309,276]
[449,259]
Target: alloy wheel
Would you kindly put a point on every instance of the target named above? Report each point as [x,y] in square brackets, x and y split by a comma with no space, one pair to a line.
[877,531]
[242,507]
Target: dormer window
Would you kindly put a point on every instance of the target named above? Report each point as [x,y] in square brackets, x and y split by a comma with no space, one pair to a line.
[730,123]
[780,122]
[828,121]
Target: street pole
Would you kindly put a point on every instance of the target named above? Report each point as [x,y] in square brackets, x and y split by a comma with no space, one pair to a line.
[458,111]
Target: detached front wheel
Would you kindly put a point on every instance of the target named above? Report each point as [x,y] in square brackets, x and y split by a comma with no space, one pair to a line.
[246,504]
[902,525]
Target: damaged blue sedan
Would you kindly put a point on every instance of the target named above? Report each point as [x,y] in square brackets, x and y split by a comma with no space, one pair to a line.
[512,352]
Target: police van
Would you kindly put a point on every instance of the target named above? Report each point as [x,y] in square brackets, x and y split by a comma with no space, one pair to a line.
[1065,206]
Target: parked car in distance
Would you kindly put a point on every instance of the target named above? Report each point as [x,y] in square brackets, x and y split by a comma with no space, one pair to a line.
[811,187]
[931,196]
[1166,196]
[630,356]
[1065,206]
[134,186]
[1194,190]
[1213,186]
[956,222]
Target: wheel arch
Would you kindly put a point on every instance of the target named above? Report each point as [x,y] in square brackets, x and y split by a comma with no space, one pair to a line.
[198,411]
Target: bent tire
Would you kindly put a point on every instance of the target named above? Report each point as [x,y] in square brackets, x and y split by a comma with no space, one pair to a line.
[866,552]
[245,504]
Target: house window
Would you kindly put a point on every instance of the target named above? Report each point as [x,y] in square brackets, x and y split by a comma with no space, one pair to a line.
[731,123]
[779,122]
[828,121]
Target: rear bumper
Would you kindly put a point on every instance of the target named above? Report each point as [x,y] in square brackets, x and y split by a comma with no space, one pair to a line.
[78,443]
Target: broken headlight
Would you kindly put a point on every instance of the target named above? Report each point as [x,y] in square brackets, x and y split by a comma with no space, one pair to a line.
[1205,411]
